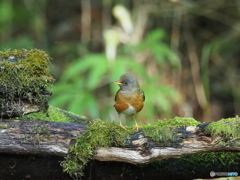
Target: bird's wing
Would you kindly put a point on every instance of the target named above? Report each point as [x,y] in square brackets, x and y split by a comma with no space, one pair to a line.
[143,95]
[116,95]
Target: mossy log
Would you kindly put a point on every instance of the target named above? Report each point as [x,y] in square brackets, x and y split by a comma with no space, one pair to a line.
[49,142]
[53,138]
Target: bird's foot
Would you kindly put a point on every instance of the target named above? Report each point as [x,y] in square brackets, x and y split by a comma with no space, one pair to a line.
[124,127]
[137,127]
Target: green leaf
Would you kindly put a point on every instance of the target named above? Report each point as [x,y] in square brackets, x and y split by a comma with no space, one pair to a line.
[82,65]
[97,72]
[60,100]
[155,36]
[77,103]
[91,105]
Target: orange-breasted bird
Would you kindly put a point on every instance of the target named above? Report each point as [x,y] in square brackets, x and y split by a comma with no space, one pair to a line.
[129,98]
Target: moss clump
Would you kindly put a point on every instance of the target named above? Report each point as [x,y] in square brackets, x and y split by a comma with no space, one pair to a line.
[227,129]
[56,115]
[24,77]
[99,134]
[161,133]
[175,122]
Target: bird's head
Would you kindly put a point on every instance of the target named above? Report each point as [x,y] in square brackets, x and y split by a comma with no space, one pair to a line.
[127,82]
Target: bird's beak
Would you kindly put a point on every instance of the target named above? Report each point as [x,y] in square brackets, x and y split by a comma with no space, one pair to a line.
[116,82]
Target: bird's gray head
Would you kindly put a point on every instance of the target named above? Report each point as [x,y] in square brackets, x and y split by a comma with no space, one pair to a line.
[127,82]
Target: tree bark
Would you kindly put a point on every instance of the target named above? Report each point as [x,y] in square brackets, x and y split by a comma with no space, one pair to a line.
[37,137]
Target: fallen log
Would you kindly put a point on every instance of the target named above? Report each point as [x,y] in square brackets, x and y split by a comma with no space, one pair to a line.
[52,138]
[44,138]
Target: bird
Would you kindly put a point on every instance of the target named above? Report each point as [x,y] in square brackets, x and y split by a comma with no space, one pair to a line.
[129,98]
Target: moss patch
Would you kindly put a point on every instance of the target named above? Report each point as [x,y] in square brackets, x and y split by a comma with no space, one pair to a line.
[161,135]
[24,76]
[227,159]
[99,134]
[227,129]
[161,132]
[175,122]
[57,115]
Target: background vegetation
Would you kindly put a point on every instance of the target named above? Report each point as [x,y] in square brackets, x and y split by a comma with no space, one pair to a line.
[184,53]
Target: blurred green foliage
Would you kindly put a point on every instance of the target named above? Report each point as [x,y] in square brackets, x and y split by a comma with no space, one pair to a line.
[75,90]
[61,29]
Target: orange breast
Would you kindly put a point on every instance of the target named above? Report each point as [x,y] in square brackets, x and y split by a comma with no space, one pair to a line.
[123,100]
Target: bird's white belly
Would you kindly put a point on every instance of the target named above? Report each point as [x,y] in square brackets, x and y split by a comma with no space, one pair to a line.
[130,111]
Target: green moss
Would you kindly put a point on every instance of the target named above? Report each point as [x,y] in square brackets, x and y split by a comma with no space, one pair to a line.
[56,115]
[175,122]
[3,126]
[24,76]
[210,159]
[34,61]
[99,134]
[103,134]
[227,129]
[161,132]
[161,135]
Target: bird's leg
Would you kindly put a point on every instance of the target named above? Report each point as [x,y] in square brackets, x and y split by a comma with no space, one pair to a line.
[136,124]
[119,117]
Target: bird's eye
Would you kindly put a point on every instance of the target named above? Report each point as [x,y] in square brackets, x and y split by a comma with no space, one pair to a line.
[125,83]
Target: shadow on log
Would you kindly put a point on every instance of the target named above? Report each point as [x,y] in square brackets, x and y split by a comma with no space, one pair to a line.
[38,167]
